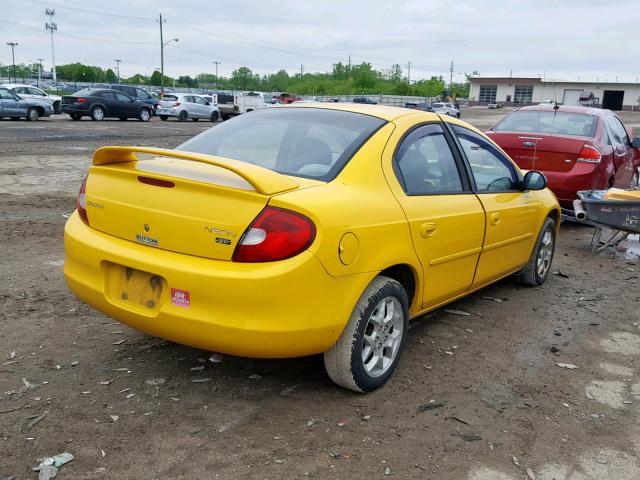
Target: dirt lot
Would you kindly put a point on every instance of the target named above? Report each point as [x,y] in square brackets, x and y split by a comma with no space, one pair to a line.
[477,397]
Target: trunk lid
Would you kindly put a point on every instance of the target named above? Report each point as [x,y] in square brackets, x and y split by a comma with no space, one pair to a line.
[539,151]
[192,207]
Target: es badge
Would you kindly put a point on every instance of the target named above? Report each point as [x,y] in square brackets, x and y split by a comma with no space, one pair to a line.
[181,298]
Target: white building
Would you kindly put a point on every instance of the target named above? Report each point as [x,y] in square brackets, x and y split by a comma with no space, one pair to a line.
[526,91]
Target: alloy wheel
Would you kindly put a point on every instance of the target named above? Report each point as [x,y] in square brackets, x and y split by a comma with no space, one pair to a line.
[545,254]
[382,337]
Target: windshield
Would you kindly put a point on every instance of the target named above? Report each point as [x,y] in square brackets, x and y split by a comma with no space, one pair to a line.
[170,97]
[304,142]
[563,123]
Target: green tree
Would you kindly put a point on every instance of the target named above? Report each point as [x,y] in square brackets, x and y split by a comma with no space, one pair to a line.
[244,78]
[110,76]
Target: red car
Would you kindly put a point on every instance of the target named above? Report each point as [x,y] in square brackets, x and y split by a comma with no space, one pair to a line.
[287,98]
[577,148]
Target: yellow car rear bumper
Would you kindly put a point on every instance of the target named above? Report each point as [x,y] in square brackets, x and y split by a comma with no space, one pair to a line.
[282,309]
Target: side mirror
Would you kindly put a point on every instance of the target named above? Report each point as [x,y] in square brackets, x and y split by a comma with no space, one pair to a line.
[636,142]
[534,180]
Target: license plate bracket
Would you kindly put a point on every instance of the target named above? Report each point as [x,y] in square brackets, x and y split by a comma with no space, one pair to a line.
[135,288]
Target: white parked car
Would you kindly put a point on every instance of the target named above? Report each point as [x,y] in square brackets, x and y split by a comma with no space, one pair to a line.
[29,91]
[446,108]
[186,106]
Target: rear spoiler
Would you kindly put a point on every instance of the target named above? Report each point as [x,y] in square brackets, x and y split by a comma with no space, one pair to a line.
[265,181]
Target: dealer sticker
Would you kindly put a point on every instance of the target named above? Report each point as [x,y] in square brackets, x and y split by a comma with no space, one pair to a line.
[181,298]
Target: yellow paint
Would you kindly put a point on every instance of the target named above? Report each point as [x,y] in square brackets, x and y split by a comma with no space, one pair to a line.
[452,244]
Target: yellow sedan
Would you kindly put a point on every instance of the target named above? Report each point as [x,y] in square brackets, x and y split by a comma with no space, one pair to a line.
[306,229]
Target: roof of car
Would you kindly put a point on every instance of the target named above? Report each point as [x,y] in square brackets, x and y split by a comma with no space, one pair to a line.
[549,107]
[385,112]
[13,85]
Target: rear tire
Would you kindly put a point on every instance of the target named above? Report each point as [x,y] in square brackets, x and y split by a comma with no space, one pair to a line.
[75,116]
[33,115]
[536,271]
[369,348]
[195,119]
[97,114]
[183,116]
[163,118]
[56,108]
[225,117]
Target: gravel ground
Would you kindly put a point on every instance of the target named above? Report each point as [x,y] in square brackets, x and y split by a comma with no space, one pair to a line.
[478,397]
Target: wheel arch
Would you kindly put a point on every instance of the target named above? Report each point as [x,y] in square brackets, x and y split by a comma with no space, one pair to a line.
[407,276]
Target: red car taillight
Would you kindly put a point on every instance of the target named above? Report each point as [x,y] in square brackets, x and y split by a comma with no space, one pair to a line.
[177,104]
[81,203]
[589,154]
[275,234]
[81,100]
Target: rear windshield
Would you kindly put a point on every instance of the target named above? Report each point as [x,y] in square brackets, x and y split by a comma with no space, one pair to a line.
[170,97]
[437,105]
[303,142]
[563,123]
[86,92]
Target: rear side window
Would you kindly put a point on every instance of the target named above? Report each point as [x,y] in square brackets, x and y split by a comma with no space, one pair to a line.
[425,163]
[305,142]
[562,123]
[492,172]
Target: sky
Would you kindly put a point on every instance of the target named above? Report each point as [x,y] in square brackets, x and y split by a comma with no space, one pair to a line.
[556,39]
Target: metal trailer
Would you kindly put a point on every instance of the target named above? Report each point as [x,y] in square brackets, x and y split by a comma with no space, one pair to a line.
[621,216]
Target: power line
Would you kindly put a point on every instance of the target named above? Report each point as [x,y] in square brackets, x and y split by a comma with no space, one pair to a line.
[84,10]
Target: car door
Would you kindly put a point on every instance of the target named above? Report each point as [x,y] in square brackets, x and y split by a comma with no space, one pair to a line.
[512,215]
[127,105]
[108,98]
[445,218]
[11,104]
[204,109]
[623,153]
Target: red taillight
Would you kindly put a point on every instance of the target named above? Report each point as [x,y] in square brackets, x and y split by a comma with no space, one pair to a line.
[81,100]
[177,104]
[275,234]
[589,154]
[81,203]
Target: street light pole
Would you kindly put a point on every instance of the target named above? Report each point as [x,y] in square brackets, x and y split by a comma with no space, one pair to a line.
[13,57]
[40,60]
[216,82]
[117,60]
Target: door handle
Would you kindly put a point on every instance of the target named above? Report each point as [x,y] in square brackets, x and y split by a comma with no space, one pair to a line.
[494,218]
[428,229]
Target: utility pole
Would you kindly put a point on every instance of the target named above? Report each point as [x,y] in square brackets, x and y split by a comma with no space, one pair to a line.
[51,26]
[117,60]
[216,63]
[349,62]
[40,60]
[161,61]
[301,70]
[13,56]
[162,45]
[451,78]
[409,72]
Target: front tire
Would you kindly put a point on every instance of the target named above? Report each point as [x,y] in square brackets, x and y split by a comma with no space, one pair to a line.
[33,115]
[75,116]
[214,116]
[536,271]
[183,116]
[144,115]
[368,350]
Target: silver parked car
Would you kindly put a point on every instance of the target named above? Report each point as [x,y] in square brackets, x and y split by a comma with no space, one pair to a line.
[186,106]
[29,91]
[13,106]
[446,108]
